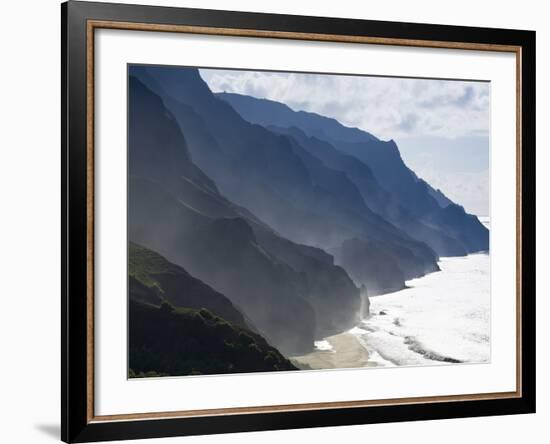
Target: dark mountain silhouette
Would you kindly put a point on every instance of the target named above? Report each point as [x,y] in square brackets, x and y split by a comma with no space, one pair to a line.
[279,181]
[168,341]
[278,114]
[179,326]
[224,254]
[362,268]
[262,228]
[292,294]
[153,280]
[413,204]
[377,198]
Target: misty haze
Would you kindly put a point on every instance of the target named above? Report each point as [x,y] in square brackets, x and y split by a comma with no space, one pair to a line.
[275,224]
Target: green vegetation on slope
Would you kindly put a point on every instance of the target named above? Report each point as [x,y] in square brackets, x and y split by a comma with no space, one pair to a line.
[181,326]
[154,279]
[177,341]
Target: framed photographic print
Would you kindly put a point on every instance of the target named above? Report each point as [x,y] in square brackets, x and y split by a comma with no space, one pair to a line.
[275,221]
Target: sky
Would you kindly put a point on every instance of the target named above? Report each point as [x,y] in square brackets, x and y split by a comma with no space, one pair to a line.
[442,127]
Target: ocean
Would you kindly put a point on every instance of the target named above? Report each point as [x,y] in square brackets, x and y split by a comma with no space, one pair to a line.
[443,317]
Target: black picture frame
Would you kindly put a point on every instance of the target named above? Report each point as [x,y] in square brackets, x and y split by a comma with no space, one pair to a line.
[76,423]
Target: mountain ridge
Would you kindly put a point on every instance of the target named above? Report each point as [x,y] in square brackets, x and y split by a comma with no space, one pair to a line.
[414,199]
[291,229]
[193,225]
[262,171]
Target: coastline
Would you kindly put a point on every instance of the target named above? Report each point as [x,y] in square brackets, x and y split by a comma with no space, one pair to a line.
[345,351]
[441,318]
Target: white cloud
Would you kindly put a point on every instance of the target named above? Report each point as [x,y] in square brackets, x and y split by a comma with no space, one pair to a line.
[385,107]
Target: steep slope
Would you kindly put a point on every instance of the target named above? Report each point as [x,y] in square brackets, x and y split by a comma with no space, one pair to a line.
[415,194]
[168,341]
[153,279]
[179,326]
[263,172]
[184,218]
[278,114]
[225,254]
[413,204]
[395,254]
[361,268]
[377,198]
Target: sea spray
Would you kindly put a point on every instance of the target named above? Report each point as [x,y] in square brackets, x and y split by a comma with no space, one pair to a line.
[441,318]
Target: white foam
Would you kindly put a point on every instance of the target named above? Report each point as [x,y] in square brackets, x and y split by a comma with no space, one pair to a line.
[442,317]
[323,345]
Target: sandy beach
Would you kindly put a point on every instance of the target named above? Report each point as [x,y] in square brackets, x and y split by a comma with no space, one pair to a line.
[346,352]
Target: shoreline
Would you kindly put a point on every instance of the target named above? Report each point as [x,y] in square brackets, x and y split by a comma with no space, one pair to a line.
[346,352]
[417,325]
